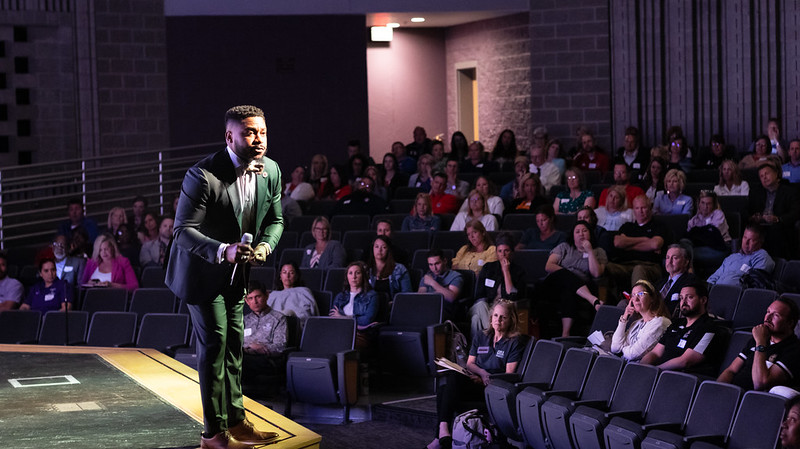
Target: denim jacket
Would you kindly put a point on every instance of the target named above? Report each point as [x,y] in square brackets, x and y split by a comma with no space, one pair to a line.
[399,280]
[365,306]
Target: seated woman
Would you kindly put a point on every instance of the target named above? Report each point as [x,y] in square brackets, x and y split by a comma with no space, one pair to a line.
[673,201]
[337,187]
[423,177]
[379,189]
[494,202]
[646,307]
[478,210]
[717,151]
[107,267]
[572,267]
[544,235]
[386,275]
[392,176]
[291,297]
[318,176]
[496,350]
[298,189]
[730,181]
[679,155]
[422,217]
[790,428]
[555,154]
[762,149]
[478,251]
[709,233]
[49,292]
[603,237]
[357,300]
[576,196]
[324,253]
[531,195]
[150,228]
[616,212]
[502,279]
[653,181]
[511,189]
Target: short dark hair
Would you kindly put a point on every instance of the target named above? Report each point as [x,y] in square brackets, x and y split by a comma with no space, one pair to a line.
[384,220]
[436,252]
[794,309]
[505,238]
[354,143]
[699,287]
[632,131]
[4,256]
[755,228]
[138,198]
[75,200]
[241,112]
[439,174]
[256,285]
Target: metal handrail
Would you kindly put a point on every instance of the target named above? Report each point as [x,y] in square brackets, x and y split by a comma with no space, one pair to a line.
[33,197]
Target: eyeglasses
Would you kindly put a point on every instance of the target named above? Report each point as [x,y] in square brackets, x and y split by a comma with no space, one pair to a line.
[322,229]
[58,245]
[572,178]
[640,294]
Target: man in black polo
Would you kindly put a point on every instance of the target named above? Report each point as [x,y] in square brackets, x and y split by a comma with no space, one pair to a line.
[772,356]
[692,343]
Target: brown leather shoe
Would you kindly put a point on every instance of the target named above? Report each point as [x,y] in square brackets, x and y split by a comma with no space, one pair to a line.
[223,440]
[248,434]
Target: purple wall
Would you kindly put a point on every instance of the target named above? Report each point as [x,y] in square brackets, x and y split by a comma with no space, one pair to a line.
[307,73]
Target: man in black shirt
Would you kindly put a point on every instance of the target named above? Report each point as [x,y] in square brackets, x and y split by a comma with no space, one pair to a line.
[772,356]
[693,343]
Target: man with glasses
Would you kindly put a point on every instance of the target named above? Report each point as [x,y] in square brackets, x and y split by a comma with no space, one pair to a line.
[692,343]
[68,268]
[362,201]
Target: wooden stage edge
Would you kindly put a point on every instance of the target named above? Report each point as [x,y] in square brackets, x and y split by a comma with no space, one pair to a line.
[177,384]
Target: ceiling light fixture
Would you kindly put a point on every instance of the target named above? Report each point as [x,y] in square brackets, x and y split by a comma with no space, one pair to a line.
[393,25]
[417,19]
[381,34]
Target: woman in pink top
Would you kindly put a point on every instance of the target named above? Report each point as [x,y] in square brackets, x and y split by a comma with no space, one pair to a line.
[107,268]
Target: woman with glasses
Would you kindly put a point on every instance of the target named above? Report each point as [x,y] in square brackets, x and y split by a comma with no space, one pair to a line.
[761,149]
[576,196]
[478,209]
[616,211]
[650,319]
[324,253]
[679,158]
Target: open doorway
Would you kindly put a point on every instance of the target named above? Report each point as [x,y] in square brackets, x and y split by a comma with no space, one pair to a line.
[467,82]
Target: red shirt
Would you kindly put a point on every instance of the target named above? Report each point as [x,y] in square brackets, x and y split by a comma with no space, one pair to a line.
[444,204]
[599,163]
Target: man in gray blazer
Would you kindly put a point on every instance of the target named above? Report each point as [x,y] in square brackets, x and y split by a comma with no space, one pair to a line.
[68,268]
[229,193]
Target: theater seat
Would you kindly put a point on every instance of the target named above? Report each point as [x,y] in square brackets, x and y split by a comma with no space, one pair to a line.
[408,344]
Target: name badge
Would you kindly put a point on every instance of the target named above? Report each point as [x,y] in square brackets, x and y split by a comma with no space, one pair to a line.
[248,332]
[675,297]
[480,262]
[744,268]
[787,174]
[346,201]
[592,165]
[637,165]
[489,283]
[49,297]
[532,168]
[565,200]
[308,251]
[681,202]
[68,268]
[483,349]
[708,221]
[585,255]
[480,165]
[682,343]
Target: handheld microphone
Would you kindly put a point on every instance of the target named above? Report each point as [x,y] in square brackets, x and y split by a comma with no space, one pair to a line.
[247,239]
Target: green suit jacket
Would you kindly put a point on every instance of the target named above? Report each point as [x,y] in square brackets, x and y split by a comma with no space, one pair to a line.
[209,214]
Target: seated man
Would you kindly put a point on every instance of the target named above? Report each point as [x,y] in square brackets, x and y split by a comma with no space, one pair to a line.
[11,290]
[68,268]
[750,256]
[455,186]
[622,177]
[265,334]
[547,171]
[633,155]
[772,357]
[590,157]
[791,169]
[677,264]
[775,205]
[76,218]
[152,252]
[692,343]
[362,201]
[442,202]
[638,247]
[441,279]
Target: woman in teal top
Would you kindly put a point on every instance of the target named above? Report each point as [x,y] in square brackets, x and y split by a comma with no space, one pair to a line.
[576,196]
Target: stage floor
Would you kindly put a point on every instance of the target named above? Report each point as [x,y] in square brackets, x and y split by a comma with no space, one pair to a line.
[87,397]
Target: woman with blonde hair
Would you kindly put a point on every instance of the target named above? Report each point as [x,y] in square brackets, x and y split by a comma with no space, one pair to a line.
[319,173]
[730,181]
[616,211]
[323,253]
[107,267]
[478,251]
[650,315]
[422,217]
[478,209]
[423,177]
[672,201]
[531,195]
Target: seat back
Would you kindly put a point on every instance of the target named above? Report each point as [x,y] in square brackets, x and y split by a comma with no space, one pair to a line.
[344,223]
[468,286]
[161,330]
[452,240]
[53,330]
[758,421]
[328,335]
[416,310]
[713,409]
[671,398]
[152,300]
[723,299]
[111,329]
[791,275]
[354,239]
[323,299]
[334,280]
[735,344]
[519,222]
[313,277]
[752,307]
[291,255]
[412,240]
[533,261]
[153,277]
[544,363]
[300,224]
[602,378]
[676,223]
[264,274]
[573,370]
[606,318]
[634,387]
[105,299]
[19,326]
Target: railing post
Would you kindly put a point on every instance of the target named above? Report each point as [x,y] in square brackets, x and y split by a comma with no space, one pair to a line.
[161,181]
[83,186]
[2,239]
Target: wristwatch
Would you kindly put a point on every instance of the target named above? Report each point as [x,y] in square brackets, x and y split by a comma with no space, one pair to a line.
[760,348]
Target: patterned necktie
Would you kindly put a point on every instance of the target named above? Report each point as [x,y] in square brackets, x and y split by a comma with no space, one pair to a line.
[665,289]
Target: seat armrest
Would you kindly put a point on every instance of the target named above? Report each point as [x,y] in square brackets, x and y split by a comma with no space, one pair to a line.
[600,405]
[569,394]
[633,415]
[347,371]
[172,349]
[539,385]
[571,339]
[717,440]
[666,426]
[437,344]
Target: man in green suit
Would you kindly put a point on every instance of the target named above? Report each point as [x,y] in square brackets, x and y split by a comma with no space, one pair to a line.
[227,194]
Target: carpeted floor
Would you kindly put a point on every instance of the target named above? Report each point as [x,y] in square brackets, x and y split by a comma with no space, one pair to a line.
[372,434]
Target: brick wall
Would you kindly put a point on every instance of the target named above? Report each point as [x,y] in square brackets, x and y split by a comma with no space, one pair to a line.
[570,81]
[501,49]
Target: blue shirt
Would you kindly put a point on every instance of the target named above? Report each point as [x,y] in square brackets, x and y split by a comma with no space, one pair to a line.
[45,299]
[791,172]
[664,206]
[494,357]
[736,265]
[415,223]
[447,279]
